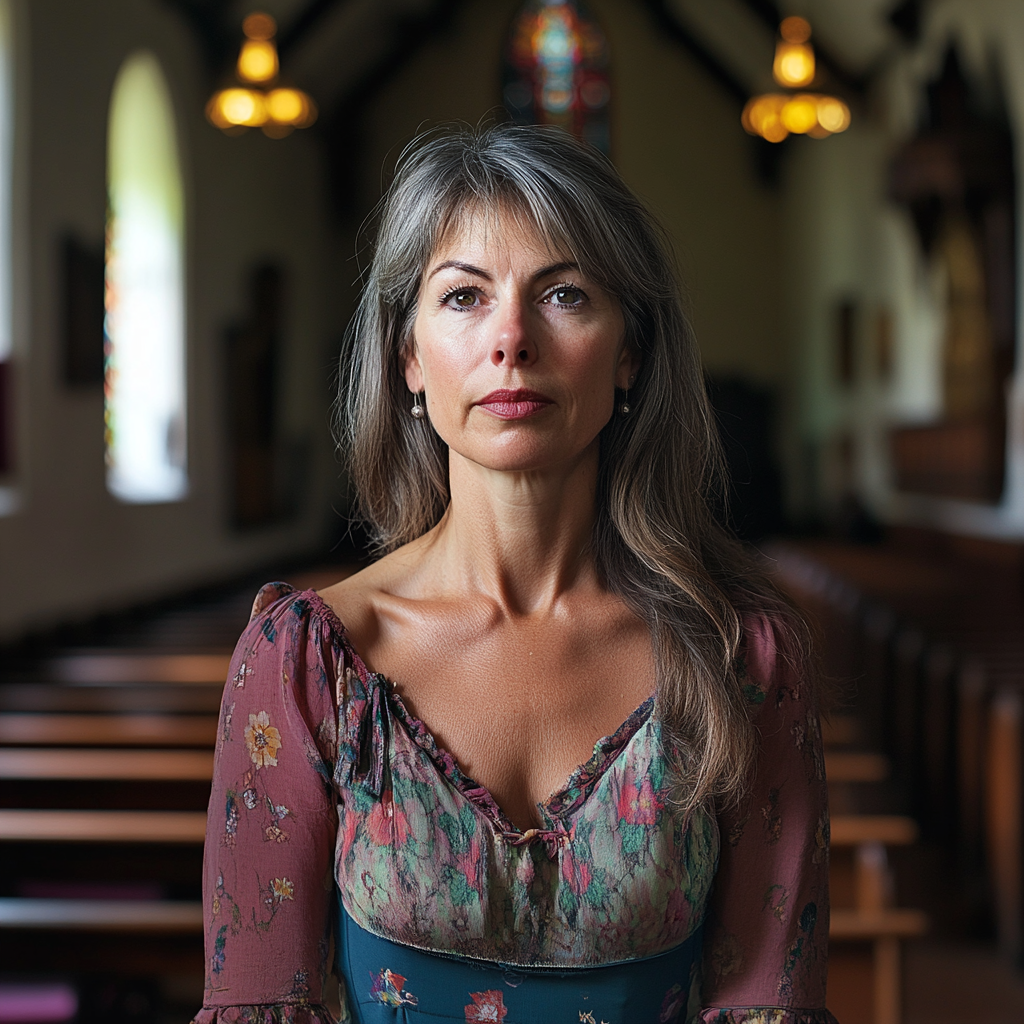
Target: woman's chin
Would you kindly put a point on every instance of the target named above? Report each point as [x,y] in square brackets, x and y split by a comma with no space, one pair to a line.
[525,456]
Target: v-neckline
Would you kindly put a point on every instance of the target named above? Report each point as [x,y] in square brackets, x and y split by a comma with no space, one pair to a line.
[558,806]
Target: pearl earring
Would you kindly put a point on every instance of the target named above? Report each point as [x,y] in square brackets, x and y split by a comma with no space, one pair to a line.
[625,407]
[417,410]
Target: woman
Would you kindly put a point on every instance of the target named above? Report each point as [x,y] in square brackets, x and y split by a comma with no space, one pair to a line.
[530,440]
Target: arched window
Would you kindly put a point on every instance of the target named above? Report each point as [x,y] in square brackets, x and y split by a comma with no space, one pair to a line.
[556,70]
[144,377]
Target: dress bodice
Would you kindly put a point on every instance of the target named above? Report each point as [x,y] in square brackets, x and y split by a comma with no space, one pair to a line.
[324,783]
[426,857]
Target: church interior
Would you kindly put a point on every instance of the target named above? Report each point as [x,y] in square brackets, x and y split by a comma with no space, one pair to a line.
[185,193]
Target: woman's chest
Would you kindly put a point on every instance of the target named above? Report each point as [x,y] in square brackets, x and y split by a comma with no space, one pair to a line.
[425,856]
[520,711]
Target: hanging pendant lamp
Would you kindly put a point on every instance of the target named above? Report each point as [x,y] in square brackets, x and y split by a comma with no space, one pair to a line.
[776,115]
[258,100]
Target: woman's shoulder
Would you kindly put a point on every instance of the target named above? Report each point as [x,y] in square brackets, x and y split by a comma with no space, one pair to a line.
[767,667]
[290,626]
[360,601]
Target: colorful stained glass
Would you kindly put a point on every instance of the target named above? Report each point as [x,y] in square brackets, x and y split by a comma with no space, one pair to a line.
[556,70]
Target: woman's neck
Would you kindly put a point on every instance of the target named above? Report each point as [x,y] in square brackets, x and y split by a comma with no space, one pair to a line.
[522,538]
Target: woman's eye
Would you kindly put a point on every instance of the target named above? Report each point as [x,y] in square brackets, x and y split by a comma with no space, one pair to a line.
[566,296]
[463,299]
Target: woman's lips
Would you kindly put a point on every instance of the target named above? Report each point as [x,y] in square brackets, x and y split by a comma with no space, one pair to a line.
[514,405]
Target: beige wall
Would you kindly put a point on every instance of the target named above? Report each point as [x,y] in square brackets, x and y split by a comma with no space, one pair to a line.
[71,549]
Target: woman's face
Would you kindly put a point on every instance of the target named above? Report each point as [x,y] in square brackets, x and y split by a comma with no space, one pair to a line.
[517,350]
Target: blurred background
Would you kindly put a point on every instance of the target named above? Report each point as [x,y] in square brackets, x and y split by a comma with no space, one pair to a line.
[182,189]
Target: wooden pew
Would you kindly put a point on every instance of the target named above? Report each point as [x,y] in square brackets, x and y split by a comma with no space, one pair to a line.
[100,730]
[873,917]
[46,698]
[161,916]
[104,667]
[1004,815]
[96,728]
[101,826]
[73,763]
[846,766]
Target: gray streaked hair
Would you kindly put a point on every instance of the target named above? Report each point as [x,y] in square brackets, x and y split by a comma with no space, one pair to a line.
[657,541]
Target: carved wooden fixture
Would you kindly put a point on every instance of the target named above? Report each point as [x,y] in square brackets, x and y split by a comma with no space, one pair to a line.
[956,176]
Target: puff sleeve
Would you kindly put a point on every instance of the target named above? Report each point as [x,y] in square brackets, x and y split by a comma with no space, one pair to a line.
[272,822]
[766,931]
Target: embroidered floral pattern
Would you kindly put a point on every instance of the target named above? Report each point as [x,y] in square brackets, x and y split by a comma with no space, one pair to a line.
[262,740]
[282,889]
[486,1007]
[388,988]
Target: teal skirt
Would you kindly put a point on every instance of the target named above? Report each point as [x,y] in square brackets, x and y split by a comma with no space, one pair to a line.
[389,982]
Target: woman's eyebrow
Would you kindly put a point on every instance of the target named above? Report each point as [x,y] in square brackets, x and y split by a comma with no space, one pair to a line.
[468,268]
[555,268]
[459,265]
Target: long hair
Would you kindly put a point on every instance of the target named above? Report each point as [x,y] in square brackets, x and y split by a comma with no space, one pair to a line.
[657,542]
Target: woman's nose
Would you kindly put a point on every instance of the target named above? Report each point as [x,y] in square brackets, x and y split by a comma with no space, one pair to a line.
[512,344]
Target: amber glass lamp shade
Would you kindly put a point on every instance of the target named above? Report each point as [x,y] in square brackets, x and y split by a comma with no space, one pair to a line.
[277,109]
[794,57]
[777,115]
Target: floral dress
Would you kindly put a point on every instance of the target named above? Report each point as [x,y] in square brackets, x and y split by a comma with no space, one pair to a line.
[337,822]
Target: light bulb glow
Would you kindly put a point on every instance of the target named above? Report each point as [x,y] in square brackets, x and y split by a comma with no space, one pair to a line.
[277,111]
[257,61]
[833,114]
[794,64]
[762,116]
[290,106]
[774,116]
[800,114]
[237,107]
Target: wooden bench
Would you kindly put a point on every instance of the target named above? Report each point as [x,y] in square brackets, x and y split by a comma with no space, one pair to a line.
[887,829]
[100,730]
[850,766]
[65,763]
[102,915]
[873,918]
[1004,815]
[43,697]
[97,826]
[841,730]
[103,667]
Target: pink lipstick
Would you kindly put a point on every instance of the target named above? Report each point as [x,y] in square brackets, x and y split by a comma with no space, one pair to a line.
[514,404]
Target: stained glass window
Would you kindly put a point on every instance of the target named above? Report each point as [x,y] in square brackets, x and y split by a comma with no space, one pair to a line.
[556,70]
[144,364]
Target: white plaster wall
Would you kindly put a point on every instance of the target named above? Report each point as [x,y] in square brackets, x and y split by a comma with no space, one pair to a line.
[71,549]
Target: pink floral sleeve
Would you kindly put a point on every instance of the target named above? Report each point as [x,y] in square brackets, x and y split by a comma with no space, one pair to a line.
[268,884]
[766,932]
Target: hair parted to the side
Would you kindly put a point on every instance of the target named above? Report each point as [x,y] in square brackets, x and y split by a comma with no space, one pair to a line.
[657,542]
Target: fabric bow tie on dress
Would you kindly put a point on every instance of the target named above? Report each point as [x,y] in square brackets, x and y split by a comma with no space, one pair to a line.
[366,766]
[552,839]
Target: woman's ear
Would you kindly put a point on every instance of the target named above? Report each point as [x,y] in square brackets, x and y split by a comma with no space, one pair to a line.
[627,369]
[413,370]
